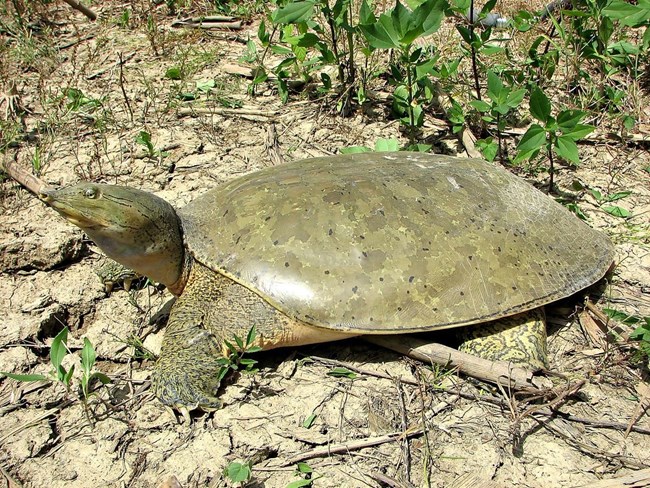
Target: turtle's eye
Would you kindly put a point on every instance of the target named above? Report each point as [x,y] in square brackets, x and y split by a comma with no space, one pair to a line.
[91,192]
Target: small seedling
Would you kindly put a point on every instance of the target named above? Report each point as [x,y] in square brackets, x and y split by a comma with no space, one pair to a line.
[236,359]
[58,351]
[306,474]
[239,472]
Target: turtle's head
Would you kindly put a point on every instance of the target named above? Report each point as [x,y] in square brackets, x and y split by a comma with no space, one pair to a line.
[133,227]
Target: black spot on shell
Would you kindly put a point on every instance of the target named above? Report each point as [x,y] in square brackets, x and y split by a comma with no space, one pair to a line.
[381,278]
[266,219]
[330,232]
[399,309]
[411,278]
[470,257]
[462,293]
[327,271]
[275,242]
[355,289]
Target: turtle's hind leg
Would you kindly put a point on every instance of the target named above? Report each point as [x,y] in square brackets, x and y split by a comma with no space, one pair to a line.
[520,339]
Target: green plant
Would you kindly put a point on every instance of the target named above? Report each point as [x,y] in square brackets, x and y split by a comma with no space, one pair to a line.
[235,359]
[58,351]
[307,476]
[503,99]
[475,42]
[641,335]
[144,139]
[88,375]
[398,29]
[557,135]
[239,472]
[309,45]
[614,210]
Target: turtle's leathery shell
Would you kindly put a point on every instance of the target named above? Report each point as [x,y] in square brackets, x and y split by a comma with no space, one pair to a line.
[394,242]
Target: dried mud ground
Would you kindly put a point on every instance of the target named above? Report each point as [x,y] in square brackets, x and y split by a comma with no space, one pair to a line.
[464,433]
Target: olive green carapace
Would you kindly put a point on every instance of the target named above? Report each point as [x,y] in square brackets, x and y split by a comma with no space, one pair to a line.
[394,242]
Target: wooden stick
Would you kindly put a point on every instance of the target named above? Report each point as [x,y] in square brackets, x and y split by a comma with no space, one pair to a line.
[209,25]
[351,446]
[82,8]
[28,180]
[493,371]
[638,479]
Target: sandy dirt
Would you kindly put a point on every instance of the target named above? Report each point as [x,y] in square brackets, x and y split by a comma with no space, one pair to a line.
[459,431]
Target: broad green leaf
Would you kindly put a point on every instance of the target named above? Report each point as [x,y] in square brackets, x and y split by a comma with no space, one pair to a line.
[403,24]
[101,377]
[481,105]
[381,34]
[567,149]
[495,86]
[238,472]
[488,147]
[490,49]
[628,14]
[26,377]
[386,145]
[618,195]
[531,142]
[88,355]
[293,13]
[515,97]
[250,337]
[568,119]
[540,105]
[205,86]
[304,468]
[366,14]
[468,35]
[283,90]
[617,211]
[58,350]
[596,194]
[429,15]
[580,131]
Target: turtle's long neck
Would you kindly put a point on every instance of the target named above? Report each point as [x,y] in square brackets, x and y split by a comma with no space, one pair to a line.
[133,227]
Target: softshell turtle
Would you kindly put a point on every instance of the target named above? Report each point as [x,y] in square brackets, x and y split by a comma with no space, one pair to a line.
[327,248]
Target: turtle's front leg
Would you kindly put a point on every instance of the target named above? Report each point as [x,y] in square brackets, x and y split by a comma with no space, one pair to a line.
[186,375]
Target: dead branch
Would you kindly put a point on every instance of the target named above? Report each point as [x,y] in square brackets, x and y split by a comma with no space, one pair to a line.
[26,179]
[211,22]
[82,8]
[351,446]
[638,479]
[493,371]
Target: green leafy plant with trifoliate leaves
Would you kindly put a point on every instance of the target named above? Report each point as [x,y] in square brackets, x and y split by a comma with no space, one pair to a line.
[397,29]
[556,135]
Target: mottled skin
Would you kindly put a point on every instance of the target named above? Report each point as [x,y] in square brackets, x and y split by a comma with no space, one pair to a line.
[322,249]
